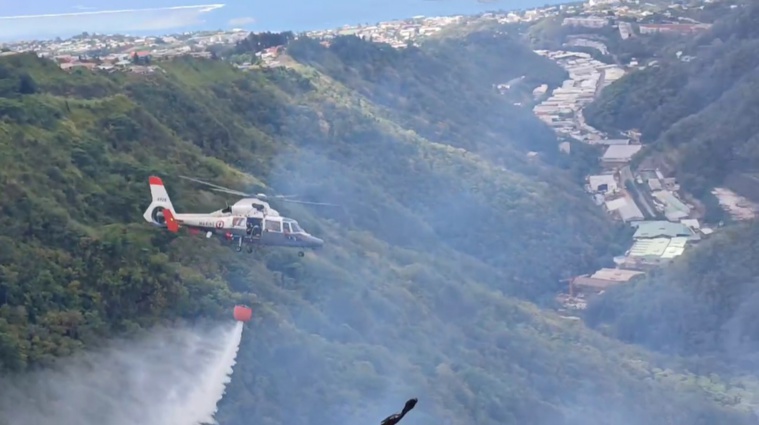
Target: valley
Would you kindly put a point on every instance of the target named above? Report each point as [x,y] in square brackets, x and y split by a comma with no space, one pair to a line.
[683,104]
[706,163]
[667,220]
[668,225]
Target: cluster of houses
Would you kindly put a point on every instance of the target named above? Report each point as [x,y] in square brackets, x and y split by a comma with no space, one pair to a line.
[269,57]
[643,198]
[125,53]
[627,29]
[396,33]
[655,243]
[136,61]
[662,233]
[562,110]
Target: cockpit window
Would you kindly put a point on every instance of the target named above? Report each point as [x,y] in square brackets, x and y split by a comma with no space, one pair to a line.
[227,210]
[287,227]
[273,226]
[295,227]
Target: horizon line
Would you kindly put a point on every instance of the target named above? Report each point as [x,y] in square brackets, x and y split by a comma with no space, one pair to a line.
[103,12]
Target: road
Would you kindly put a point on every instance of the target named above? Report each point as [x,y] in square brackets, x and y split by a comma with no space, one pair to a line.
[625,175]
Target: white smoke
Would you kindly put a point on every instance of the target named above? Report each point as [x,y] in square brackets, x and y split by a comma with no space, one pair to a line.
[171,377]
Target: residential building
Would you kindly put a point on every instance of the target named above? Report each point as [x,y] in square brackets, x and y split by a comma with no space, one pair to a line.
[589,22]
[695,227]
[617,155]
[625,30]
[656,251]
[610,142]
[661,229]
[605,183]
[626,208]
[674,209]
[601,280]
[674,28]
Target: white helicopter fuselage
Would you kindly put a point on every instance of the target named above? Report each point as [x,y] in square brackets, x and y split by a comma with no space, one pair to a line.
[214,222]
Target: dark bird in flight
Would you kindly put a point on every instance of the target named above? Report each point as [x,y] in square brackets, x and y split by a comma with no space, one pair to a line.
[396,417]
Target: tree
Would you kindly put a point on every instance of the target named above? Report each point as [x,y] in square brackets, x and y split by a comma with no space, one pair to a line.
[27,85]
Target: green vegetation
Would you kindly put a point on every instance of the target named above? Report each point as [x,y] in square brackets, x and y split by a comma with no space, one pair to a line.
[246,49]
[417,88]
[445,221]
[698,112]
[702,306]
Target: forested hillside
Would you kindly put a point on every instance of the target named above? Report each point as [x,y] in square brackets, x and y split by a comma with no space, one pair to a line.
[699,113]
[443,220]
[704,306]
[418,88]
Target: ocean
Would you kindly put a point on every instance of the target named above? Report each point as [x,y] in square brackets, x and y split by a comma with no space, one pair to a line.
[256,15]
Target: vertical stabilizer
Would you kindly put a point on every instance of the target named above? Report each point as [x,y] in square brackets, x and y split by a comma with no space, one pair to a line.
[160,202]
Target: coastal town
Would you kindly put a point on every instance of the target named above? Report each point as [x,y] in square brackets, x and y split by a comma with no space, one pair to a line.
[130,53]
[116,52]
[667,221]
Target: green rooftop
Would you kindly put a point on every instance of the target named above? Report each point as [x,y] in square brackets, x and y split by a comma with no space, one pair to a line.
[661,229]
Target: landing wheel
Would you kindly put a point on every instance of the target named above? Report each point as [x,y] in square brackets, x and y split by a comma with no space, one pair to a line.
[301,253]
[249,249]
[238,248]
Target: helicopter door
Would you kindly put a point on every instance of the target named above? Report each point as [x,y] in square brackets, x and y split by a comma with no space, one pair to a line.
[272,232]
[273,226]
[253,227]
[288,232]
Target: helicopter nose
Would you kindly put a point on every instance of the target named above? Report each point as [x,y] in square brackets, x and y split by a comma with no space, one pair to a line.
[316,242]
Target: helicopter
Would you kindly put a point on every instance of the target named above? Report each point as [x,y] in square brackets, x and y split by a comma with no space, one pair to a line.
[249,222]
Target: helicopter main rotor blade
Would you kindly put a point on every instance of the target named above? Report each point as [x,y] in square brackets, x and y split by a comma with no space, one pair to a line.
[201,182]
[310,203]
[233,192]
[218,188]
[283,198]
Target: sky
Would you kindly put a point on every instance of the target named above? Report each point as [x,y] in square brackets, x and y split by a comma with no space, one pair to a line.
[71,17]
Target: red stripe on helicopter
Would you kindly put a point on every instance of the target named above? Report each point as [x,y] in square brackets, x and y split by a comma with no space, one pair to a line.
[171,222]
[155,181]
